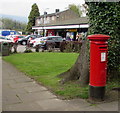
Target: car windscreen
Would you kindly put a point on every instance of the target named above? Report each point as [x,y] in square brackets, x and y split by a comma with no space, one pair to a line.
[21,36]
[27,37]
[2,37]
[57,38]
[60,38]
[44,38]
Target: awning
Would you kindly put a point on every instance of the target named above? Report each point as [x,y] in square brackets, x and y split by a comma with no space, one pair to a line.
[62,27]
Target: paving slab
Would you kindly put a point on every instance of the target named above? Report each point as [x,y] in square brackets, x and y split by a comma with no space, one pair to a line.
[113,106]
[11,99]
[35,89]
[79,104]
[23,80]
[11,81]
[54,105]
[20,91]
[43,95]
[22,85]
[23,107]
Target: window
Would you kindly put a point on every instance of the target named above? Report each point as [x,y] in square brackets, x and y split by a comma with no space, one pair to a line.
[21,36]
[38,21]
[49,38]
[53,18]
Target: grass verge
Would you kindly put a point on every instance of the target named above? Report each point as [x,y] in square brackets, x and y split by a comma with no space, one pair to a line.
[44,67]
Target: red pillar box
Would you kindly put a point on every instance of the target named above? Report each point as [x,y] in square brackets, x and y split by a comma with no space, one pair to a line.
[98,65]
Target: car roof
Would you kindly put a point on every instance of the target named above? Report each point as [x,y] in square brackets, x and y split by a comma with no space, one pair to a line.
[2,36]
[49,37]
[44,37]
[53,36]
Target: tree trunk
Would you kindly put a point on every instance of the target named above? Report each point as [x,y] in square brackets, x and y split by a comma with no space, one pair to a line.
[80,70]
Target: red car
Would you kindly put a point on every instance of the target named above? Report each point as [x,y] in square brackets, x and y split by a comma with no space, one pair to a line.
[16,37]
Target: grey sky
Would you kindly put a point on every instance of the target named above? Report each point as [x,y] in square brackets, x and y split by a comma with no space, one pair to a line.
[23,7]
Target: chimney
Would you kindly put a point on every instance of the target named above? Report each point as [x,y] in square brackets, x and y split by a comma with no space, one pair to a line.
[45,13]
[57,10]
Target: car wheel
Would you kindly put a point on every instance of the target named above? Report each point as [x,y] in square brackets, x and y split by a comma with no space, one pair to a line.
[24,43]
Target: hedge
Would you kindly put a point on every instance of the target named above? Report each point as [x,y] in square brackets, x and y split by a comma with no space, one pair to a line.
[104,18]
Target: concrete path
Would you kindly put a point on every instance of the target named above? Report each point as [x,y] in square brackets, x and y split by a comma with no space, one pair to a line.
[20,93]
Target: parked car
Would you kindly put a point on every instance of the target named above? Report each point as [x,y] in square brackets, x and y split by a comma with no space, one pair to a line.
[49,42]
[36,41]
[24,41]
[17,37]
[10,37]
[4,39]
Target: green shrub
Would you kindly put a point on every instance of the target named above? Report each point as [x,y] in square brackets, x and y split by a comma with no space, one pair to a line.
[70,46]
[28,51]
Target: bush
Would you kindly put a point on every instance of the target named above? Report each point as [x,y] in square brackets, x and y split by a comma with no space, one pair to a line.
[70,46]
[28,51]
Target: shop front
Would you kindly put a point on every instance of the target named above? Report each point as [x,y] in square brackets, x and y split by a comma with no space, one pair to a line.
[66,31]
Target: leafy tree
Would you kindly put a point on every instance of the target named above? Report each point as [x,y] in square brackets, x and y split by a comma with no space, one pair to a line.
[76,9]
[33,14]
[7,23]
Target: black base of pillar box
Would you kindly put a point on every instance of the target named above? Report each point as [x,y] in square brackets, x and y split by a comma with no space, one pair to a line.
[96,93]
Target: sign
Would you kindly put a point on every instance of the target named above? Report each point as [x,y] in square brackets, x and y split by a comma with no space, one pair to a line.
[103,57]
[72,30]
[12,33]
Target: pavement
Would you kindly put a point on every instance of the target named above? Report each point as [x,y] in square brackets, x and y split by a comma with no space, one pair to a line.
[21,93]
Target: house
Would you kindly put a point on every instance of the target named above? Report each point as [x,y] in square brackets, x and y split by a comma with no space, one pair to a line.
[65,23]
